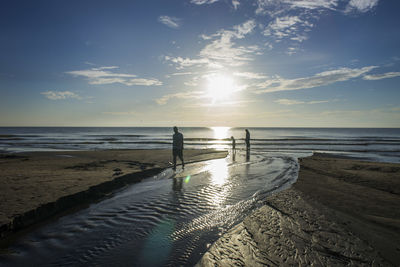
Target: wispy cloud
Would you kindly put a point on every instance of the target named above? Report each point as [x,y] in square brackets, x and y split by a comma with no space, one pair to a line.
[361,5]
[235,4]
[290,27]
[193,82]
[381,76]
[319,79]
[250,75]
[243,29]
[288,102]
[202,2]
[292,20]
[276,7]
[171,22]
[60,95]
[181,73]
[103,75]
[222,49]
[182,63]
[184,95]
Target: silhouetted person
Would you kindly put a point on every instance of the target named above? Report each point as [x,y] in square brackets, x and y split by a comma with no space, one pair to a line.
[247,140]
[233,143]
[177,147]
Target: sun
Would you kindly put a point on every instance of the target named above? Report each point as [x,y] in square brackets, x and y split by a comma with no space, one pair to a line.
[220,87]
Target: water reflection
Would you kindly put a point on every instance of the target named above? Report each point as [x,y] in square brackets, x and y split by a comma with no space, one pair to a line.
[177,184]
[218,170]
[220,132]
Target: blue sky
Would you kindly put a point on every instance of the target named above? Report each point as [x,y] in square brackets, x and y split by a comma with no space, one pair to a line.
[272,63]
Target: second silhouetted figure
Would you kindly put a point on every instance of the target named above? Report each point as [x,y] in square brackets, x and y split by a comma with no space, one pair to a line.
[247,140]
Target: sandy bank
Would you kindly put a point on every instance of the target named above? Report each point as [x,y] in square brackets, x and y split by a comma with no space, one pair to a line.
[37,185]
[339,212]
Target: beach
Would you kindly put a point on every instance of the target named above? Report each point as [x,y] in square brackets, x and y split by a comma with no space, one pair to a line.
[340,211]
[39,185]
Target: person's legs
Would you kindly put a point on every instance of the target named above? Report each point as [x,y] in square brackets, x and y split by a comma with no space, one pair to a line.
[180,154]
[174,154]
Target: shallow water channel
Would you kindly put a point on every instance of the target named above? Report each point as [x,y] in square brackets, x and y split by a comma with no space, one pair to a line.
[167,220]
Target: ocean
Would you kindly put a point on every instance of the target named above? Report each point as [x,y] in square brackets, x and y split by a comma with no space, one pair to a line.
[380,144]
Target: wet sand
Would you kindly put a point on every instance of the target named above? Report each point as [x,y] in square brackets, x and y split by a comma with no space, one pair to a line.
[339,212]
[38,185]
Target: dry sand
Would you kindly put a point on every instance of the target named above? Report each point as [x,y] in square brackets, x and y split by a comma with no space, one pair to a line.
[339,212]
[41,184]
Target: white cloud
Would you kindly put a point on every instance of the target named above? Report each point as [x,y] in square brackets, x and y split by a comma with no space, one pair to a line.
[313,4]
[98,72]
[244,29]
[318,102]
[106,68]
[250,75]
[235,4]
[171,22]
[361,5]
[284,23]
[145,82]
[185,95]
[59,95]
[319,79]
[192,82]
[288,27]
[292,20]
[202,2]
[102,75]
[206,37]
[222,50]
[181,73]
[276,7]
[292,50]
[288,102]
[186,62]
[381,76]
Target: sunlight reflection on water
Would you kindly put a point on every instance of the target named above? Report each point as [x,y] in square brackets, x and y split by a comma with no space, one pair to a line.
[220,132]
[218,170]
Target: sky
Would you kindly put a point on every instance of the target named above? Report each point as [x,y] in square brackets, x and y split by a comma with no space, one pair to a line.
[250,63]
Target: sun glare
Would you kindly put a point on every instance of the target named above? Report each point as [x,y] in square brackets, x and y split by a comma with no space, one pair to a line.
[220,87]
[220,132]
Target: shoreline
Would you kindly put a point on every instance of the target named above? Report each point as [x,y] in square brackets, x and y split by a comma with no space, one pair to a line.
[339,212]
[38,186]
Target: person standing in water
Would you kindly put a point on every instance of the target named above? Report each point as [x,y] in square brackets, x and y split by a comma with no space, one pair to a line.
[247,140]
[233,148]
[177,147]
